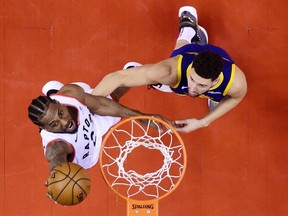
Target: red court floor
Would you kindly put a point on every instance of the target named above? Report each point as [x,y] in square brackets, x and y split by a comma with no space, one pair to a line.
[237,166]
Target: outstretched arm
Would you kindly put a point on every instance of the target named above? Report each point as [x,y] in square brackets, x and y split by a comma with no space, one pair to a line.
[161,72]
[58,153]
[98,104]
[106,107]
[235,95]
[101,105]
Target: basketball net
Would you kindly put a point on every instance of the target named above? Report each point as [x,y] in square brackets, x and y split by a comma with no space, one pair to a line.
[143,164]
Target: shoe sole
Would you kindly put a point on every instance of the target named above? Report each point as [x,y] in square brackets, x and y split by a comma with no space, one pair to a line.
[190,9]
[131,64]
[204,31]
[56,85]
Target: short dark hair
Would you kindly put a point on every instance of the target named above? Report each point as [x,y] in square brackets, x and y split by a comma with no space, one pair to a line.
[208,65]
[38,108]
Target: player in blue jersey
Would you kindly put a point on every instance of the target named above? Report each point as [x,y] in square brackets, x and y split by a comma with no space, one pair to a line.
[195,68]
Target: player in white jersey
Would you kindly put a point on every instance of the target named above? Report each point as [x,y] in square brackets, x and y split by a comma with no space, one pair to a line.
[73,122]
[87,141]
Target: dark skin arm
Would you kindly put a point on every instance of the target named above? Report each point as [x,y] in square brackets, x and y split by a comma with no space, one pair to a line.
[101,105]
[57,153]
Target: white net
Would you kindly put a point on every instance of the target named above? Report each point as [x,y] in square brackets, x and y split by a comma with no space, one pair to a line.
[134,183]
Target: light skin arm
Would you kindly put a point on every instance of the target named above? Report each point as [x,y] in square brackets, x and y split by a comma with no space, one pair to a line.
[235,95]
[161,72]
[57,153]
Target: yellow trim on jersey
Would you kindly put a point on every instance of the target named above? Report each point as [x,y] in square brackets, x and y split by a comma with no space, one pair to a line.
[188,71]
[206,97]
[178,71]
[221,78]
[230,81]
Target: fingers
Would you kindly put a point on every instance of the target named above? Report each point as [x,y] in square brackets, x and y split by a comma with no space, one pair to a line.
[48,194]
[168,121]
[182,130]
[50,197]
[162,126]
[157,126]
[179,124]
[165,120]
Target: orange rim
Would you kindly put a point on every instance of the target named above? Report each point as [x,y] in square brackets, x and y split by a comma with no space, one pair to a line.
[124,121]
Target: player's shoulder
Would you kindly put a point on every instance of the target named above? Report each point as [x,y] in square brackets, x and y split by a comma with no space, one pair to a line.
[166,71]
[69,88]
[239,84]
[169,65]
[72,90]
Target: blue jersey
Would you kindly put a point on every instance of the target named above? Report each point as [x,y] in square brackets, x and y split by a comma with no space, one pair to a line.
[187,55]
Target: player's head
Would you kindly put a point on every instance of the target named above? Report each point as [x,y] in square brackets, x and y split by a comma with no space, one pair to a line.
[52,116]
[205,72]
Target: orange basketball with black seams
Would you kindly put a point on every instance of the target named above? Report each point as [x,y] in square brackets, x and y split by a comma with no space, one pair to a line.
[68,184]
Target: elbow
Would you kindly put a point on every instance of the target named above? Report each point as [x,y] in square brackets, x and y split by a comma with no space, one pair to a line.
[244,91]
[114,79]
[245,88]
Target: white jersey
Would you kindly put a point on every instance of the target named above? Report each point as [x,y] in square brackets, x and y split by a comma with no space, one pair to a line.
[88,139]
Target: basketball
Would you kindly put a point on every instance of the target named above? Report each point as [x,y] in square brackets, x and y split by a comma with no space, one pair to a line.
[68,184]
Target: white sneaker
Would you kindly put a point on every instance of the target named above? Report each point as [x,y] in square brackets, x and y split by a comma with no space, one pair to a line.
[211,104]
[87,88]
[188,9]
[189,18]
[51,87]
[160,87]
[131,65]
[201,37]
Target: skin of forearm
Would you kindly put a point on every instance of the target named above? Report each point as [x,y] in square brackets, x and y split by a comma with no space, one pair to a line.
[107,107]
[56,154]
[59,159]
[226,105]
[103,89]
[119,110]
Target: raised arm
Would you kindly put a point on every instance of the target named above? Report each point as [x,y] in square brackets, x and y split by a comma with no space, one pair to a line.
[101,105]
[106,107]
[235,95]
[58,153]
[161,72]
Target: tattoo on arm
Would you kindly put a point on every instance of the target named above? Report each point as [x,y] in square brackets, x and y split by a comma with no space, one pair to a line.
[57,153]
